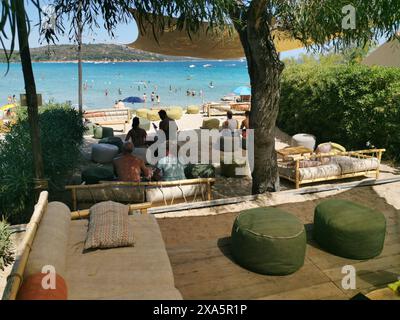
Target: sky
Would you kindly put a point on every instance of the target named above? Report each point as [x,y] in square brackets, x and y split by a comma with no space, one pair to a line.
[124,33]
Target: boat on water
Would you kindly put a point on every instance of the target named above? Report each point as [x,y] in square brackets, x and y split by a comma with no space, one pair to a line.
[192,66]
[207,65]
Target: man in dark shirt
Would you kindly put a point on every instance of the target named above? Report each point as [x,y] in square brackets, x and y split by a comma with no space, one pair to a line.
[168,124]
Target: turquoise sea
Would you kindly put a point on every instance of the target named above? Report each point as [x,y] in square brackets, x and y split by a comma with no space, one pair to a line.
[169,80]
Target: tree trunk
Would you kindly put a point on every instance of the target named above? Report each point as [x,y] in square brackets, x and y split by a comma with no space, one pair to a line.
[31,96]
[265,69]
[79,39]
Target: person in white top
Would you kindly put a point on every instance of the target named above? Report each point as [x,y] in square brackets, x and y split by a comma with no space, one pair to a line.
[230,123]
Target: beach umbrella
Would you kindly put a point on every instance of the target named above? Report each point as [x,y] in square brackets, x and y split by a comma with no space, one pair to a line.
[7,106]
[133,100]
[243,91]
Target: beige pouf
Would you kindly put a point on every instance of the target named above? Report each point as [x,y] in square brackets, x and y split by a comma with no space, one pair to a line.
[193,110]
[175,113]
[152,115]
[142,113]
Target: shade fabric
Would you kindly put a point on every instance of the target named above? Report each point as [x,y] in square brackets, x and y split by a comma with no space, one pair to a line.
[387,55]
[204,44]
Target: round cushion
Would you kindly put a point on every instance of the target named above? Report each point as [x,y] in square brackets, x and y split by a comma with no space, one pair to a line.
[305,140]
[193,110]
[152,115]
[103,132]
[89,129]
[175,113]
[32,288]
[104,153]
[142,113]
[349,230]
[116,141]
[210,124]
[195,171]
[269,241]
[229,169]
[94,175]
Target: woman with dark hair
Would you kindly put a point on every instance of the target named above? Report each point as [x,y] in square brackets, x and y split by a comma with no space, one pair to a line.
[137,134]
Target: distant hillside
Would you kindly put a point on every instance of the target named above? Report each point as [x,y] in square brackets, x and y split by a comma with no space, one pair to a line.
[90,52]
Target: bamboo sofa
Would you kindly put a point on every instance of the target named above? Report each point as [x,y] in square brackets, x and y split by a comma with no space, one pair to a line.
[158,193]
[311,168]
[55,237]
[106,117]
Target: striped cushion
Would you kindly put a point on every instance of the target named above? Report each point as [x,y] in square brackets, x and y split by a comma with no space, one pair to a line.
[109,227]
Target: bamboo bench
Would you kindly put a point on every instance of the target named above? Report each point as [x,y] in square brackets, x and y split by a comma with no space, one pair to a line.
[106,117]
[290,166]
[110,190]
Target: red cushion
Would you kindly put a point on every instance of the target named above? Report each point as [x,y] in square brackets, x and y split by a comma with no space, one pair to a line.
[32,289]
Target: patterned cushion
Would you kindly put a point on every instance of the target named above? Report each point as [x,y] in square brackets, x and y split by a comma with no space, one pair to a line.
[351,165]
[109,227]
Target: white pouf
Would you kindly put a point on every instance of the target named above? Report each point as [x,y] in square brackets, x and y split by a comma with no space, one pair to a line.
[104,153]
[305,140]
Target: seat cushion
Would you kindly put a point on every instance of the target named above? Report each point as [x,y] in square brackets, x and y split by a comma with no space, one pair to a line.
[166,194]
[349,230]
[269,241]
[312,173]
[210,124]
[120,272]
[93,175]
[352,164]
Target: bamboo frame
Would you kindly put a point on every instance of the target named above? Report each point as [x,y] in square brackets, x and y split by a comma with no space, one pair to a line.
[161,184]
[14,280]
[84,214]
[365,154]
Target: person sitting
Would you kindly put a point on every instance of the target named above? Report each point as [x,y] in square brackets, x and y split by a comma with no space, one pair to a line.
[167,124]
[230,123]
[245,124]
[169,166]
[137,135]
[129,168]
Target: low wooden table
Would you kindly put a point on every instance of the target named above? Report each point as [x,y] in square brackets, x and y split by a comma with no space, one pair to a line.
[293,151]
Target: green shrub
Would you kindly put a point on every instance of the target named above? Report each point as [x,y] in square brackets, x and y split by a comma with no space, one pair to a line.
[354,105]
[6,253]
[61,134]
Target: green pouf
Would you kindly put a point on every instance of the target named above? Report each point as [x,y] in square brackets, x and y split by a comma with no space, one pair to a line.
[89,129]
[142,113]
[349,230]
[229,169]
[103,132]
[114,141]
[195,171]
[269,241]
[94,175]
[152,115]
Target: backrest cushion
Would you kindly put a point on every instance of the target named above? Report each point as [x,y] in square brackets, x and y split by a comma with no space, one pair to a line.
[109,227]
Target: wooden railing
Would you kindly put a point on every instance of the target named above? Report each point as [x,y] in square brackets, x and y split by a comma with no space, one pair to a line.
[208,182]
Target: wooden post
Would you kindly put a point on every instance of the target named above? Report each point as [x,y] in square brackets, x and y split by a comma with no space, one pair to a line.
[209,193]
[378,172]
[297,174]
[74,199]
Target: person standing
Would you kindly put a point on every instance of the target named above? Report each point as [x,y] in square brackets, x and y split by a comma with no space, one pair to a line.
[158,100]
[152,97]
[144,97]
